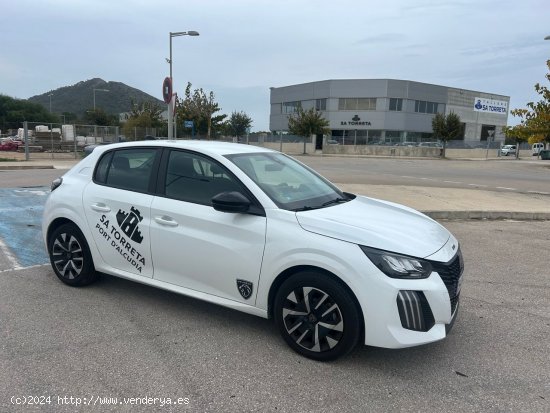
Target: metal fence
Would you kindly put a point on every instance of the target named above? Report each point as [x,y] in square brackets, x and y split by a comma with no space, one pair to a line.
[67,141]
[40,140]
[359,140]
[141,133]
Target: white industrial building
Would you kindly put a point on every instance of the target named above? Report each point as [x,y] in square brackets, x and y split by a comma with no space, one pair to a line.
[389,111]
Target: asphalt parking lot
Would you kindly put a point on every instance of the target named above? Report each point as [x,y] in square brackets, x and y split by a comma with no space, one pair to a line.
[118,345]
[119,342]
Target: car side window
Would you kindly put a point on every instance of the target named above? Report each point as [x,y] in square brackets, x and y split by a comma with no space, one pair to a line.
[129,169]
[103,168]
[194,178]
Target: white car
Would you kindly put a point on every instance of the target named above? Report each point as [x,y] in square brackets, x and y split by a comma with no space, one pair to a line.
[508,150]
[256,231]
[536,148]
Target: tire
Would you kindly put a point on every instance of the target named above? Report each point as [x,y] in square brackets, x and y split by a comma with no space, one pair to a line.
[317,316]
[70,256]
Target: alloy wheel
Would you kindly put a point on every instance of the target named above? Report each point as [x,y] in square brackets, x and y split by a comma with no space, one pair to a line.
[67,256]
[313,319]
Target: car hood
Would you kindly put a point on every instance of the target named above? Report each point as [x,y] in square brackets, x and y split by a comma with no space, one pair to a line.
[377,224]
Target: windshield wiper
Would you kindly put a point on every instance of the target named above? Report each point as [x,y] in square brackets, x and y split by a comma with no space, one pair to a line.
[334,201]
[304,208]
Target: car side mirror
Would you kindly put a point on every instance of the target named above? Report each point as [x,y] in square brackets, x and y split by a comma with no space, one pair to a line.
[231,201]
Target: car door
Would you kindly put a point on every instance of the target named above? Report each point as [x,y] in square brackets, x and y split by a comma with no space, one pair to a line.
[117,204]
[195,246]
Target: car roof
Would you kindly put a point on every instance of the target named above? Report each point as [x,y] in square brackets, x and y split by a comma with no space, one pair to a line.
[206,147]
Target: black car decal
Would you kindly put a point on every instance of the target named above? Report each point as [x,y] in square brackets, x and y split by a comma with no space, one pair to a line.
[128,225]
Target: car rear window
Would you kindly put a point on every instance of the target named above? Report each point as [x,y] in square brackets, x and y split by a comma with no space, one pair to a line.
[129,169]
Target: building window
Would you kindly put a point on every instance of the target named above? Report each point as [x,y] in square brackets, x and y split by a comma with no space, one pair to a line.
[357,104]
[291,107]
[394,136]
[421,106]
[396,104]
[320,104]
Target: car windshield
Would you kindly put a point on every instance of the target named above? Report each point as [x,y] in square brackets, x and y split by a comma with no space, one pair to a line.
[291,185]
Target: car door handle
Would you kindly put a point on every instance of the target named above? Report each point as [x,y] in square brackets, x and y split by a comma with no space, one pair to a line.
[166,220]
[100,207]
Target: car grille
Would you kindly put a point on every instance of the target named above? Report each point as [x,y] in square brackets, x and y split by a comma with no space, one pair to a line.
[414,311]
[450,273]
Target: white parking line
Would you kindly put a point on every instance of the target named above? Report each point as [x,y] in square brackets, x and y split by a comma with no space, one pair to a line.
[453,182]
[12,260]
[508,189]
[478,185]
[24,268]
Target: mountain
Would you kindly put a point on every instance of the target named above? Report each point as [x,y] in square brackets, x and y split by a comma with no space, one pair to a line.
[79,98]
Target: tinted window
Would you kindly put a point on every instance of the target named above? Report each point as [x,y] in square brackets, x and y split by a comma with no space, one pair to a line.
[194,178]
[103,168]
[425,107]
[321,104]
[357,104]
[129,169]
[396,104]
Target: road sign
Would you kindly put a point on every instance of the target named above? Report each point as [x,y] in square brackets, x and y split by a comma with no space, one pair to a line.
[188,124]
[167,90]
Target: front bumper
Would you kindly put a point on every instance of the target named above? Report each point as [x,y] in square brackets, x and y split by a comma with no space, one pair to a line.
[417,311]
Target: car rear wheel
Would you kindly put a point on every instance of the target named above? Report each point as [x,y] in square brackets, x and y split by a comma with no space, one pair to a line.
[317,316]
[70,256]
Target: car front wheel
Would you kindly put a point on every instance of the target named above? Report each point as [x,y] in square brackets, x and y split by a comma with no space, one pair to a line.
[70,256]
[317,316]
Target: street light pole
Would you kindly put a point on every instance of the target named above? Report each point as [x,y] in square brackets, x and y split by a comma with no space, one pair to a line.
[170,110]
[50,95]
[99,90]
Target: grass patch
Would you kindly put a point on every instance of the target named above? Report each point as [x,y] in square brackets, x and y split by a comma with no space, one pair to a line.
[8,160]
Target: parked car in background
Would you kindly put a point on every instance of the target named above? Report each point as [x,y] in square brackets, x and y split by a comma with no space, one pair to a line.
[332,142]
[430,145]
[89,148]
[9,144]
[508,150]
[536,148]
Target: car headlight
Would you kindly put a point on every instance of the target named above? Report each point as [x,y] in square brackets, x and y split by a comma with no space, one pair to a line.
[398,266]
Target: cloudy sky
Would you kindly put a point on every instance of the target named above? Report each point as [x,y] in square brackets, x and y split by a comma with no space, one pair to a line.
[247,46]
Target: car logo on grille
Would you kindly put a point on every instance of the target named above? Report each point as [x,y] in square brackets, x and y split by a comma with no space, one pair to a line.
[453,247]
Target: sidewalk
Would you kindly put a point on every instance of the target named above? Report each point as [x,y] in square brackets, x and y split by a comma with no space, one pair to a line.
[460,203]
[38,164]
[438,203]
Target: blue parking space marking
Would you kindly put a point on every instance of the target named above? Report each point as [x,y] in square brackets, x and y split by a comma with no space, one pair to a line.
[20,224]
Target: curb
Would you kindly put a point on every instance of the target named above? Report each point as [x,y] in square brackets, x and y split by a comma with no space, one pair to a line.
[20,167]
[488,215]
